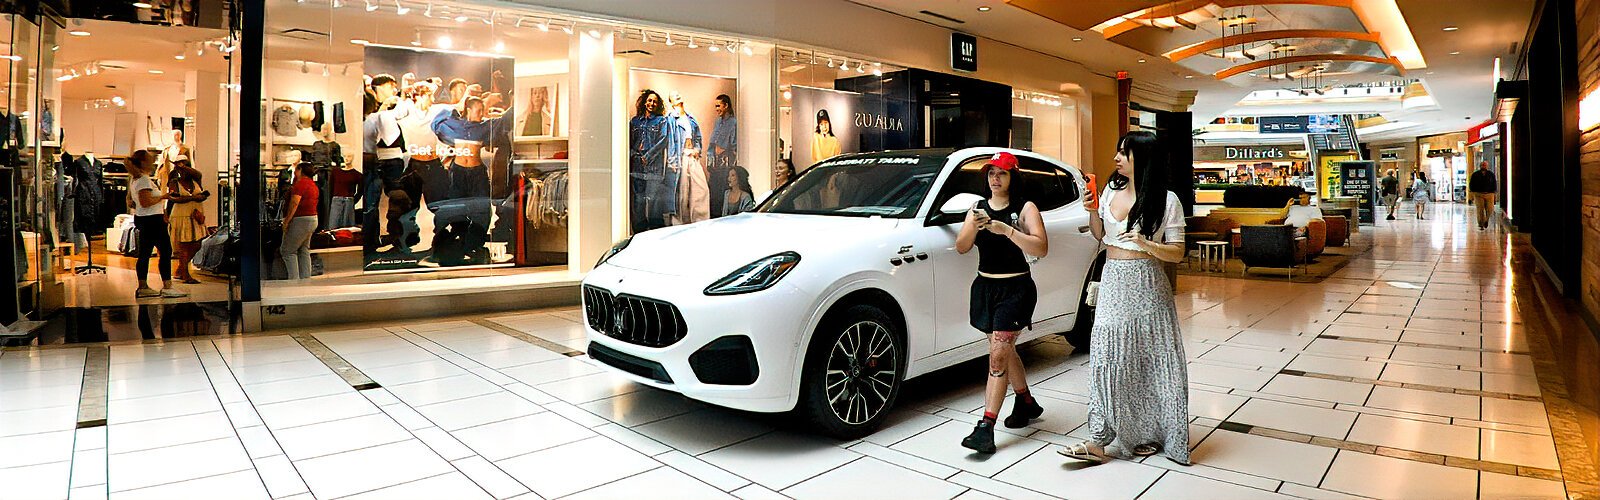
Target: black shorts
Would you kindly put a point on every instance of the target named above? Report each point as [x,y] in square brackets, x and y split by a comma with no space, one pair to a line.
[1003,304]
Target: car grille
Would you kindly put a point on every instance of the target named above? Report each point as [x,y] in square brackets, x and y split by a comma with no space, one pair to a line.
[631,319]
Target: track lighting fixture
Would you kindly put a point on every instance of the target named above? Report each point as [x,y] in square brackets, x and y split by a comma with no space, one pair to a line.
[401,9]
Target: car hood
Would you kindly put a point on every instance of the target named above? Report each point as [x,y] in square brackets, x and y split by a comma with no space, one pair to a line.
[709,250]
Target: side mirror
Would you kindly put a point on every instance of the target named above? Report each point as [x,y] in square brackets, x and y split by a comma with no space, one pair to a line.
[959,204]
[954,209]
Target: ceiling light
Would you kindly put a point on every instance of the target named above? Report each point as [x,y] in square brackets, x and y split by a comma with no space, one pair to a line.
[401,9]
[669,39]
[325,70]
[461,19]
[358,41]
[877,72]
[567,29]
[1188,77]
[78,33]
[1077,39]
[861,67]
[156,72]
[445,42]
[594,33]
[544,25]
[141,5]
[830,62]
[787,95]
[983,8]
[179,57]
[370,6]
[748,51]
[1141,61]
[1450,28]
[500,46]
[63,78]
[1455,53]
[691,43]
[713,47]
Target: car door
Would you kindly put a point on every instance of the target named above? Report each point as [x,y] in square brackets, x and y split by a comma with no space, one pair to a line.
[953,272]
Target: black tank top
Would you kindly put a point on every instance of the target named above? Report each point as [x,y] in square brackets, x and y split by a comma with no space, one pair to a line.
[996,253]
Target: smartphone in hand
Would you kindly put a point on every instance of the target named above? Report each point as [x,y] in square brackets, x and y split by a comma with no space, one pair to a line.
[1092,198]
[980,215]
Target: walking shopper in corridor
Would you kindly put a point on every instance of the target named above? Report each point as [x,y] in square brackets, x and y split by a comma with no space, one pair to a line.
[1139,380]
[1483,187]
[1003,228]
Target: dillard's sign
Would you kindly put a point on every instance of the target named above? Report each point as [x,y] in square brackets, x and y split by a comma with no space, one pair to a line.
[1254,153]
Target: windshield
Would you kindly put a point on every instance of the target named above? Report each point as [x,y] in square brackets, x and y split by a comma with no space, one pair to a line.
[889,185]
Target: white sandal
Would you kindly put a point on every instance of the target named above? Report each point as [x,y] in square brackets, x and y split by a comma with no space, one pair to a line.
[1081,451]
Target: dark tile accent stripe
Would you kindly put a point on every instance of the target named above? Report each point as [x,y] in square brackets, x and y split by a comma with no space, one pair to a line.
[519,335]
[348,372]
[1414,456]
[1419,344]
[1420,387]
[95,392]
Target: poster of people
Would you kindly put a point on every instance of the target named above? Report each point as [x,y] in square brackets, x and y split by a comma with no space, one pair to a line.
[683,150]
[437,194]
[823,125]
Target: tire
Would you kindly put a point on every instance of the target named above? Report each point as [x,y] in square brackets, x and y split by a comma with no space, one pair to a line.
[843,393]
[1079,336]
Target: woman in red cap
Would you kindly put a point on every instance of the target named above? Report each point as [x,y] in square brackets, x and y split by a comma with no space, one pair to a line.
[1004,228]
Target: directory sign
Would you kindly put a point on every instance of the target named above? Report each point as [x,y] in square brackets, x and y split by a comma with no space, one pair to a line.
[1299,124]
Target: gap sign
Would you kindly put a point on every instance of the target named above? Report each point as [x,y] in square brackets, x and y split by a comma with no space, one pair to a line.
[963,52]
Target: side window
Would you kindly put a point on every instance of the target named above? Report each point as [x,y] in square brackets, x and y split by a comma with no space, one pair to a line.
[967,179]
[1048,186]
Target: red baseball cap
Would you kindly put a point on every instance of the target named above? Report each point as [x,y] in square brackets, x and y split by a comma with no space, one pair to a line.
[1003,161]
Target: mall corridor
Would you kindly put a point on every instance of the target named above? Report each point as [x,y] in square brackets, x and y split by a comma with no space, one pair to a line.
[1408,374]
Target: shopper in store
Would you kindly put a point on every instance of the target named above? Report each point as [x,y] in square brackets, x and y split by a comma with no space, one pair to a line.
[652,191]
[1005,228]
[1483,186]
[737,198]
[684,146]
[1389,187]
[722,152]
[149,204]
[299,222]
[1139,382]
[187,220]
[1421,192]
[824,144]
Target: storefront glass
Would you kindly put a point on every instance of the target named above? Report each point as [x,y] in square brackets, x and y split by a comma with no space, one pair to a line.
[1044,123]
[449,142]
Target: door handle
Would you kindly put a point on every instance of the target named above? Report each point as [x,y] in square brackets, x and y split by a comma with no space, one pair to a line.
[1083,229]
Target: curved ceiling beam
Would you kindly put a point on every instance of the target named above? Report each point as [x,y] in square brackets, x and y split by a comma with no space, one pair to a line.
[1264,63]
[1258,36]
[1123,24]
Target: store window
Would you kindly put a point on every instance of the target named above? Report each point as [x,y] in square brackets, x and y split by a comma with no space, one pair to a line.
[1044,123]
[833,104]
[444,141]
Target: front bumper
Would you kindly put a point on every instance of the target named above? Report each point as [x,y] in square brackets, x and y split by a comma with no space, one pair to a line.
[769,318]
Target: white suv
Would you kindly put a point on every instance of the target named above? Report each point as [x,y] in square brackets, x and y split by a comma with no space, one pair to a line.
[834,291]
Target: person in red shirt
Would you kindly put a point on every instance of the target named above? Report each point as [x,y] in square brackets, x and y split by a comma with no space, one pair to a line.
[299,222]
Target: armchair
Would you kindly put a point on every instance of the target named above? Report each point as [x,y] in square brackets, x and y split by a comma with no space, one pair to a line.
[1338,230]
[1270,246]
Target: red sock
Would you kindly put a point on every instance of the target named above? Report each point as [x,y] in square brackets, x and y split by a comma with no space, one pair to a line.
[1024,395]
[990,417]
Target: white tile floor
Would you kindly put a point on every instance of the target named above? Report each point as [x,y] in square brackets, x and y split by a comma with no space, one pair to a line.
[468,412]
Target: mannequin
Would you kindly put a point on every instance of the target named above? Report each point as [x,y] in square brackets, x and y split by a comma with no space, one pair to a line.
[87,198]
[169,154]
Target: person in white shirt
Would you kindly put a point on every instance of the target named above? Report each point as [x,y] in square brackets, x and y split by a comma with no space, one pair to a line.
[149,203]
[1302,213]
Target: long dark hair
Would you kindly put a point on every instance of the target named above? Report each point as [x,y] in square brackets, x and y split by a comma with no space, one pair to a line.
[1150,192]
[744,180]
[639,108]
[822,116]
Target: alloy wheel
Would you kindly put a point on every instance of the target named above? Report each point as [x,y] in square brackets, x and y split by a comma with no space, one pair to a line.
[861,372]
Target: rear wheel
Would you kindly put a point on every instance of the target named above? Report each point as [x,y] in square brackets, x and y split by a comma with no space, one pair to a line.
[853,372]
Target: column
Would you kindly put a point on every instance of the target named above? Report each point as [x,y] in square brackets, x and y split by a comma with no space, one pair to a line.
[593,150]
[210,141]
[757,108]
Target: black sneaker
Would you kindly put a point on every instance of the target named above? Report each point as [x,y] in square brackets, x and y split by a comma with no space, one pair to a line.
[1391,216]
[1022,412]
[982,438]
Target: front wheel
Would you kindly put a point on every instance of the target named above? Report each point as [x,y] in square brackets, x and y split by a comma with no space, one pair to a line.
[853,372]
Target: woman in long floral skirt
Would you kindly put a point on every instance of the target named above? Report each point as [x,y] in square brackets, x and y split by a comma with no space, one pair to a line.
[1139,382]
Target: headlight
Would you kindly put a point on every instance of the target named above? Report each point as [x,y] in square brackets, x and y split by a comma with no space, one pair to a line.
[615,249]
[756,276]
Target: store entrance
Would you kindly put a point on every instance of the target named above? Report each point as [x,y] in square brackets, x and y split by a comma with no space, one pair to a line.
[133,158]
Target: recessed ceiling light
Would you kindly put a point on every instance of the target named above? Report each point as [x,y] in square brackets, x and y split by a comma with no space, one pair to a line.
[179,57]
[141,5]
[156,72]
[983,8]
[78,33]
[1141,61]
[1187,77]
[1450,28]
[1077,39]
[358,41]
[1455,53]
